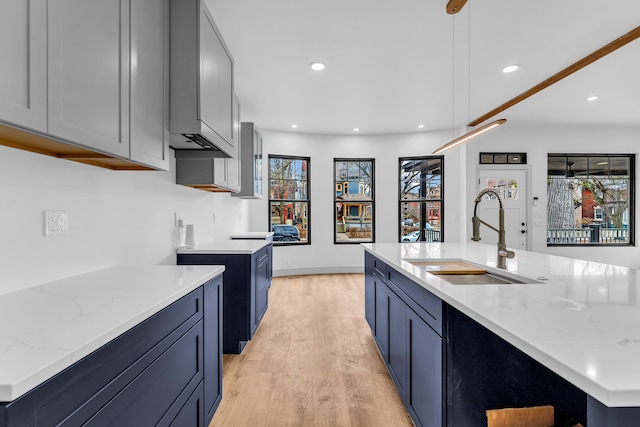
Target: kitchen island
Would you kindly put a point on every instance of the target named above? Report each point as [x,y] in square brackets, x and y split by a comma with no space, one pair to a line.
[92,346]
[577,319]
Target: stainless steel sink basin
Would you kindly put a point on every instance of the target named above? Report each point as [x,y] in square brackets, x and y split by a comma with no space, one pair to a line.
[478,279]
[466,273]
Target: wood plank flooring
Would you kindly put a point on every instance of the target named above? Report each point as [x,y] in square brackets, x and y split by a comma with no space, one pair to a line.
[312,362]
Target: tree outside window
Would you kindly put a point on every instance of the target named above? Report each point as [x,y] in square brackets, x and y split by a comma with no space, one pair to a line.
[590,199]
[354,200]
[289,199]
[421,199]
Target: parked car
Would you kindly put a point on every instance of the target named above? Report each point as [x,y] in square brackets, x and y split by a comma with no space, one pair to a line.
[428,226]
[414,236]
[407,222]
[285,233]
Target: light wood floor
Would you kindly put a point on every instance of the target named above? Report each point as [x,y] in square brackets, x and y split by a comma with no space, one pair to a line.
[312,362]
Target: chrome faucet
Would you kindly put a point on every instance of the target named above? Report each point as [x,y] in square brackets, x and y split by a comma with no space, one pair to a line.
[503,253]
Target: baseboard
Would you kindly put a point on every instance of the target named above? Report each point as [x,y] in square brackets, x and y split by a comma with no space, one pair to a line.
[316,270]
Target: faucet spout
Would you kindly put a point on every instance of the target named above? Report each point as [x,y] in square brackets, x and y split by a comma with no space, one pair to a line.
[503,252]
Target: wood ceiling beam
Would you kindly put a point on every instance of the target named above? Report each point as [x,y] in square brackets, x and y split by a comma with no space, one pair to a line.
[454,6]
[603,51]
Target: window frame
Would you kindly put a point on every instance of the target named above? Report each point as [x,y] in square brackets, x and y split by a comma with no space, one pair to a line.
[306,201]
[372,201]
[631,198]
[421,200]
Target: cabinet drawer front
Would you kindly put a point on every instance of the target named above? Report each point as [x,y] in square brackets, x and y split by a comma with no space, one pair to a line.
[418,298]
[161,390]
[191,414]
[376,266]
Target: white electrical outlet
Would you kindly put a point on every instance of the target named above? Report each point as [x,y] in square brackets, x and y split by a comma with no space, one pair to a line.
[56,223]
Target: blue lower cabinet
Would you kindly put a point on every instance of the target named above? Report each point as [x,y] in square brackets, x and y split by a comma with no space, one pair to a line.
[155,374]
[212,347]
[406,327]
[247,279]
[398,345]
[381,333]
[425,393]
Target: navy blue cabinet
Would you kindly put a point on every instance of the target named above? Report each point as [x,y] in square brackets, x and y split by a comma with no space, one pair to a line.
[157,373]
[212,347]
[425,362]
[247,278]
[398,345]
[407,327]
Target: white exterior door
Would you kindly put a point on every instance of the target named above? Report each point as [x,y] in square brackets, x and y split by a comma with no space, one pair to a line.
[512,185]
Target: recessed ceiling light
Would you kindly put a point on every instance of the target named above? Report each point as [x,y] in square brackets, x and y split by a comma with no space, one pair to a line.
[420,126]
[317,66]
[510,68]
[294,126]
[356,129]
[592,98]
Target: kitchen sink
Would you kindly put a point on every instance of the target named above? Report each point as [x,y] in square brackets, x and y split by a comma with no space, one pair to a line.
[461,272]
[478,279]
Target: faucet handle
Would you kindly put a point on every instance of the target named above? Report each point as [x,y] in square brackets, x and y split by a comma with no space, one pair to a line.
[507,253]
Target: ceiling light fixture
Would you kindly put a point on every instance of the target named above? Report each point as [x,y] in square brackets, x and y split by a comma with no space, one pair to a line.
[356,129]
[317,66]
[294,126]
[510,68]
[420,126]
[592,98]
[470,135]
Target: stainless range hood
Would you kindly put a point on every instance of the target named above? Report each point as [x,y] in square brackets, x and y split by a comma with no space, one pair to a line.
[201,82]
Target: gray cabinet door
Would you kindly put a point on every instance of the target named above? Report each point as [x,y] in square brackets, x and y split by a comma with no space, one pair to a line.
[234,178]
[150,82]
[216,82]
[88,73]
[23,68]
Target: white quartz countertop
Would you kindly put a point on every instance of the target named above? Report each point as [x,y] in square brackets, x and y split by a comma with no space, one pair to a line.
[46,328]
[583,322]
[248,246]
[253,235]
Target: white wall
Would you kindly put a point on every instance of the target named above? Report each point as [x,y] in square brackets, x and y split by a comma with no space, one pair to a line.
[115,217]
[537,143]
[323,255]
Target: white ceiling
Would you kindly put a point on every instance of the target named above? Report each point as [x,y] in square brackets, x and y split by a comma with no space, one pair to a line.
[390,63]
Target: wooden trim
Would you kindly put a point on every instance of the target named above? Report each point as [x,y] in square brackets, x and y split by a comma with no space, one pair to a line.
[454,6]
[44,144]
[603,51]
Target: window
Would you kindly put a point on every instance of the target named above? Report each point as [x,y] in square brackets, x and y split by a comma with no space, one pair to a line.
[590,199]
[289,199]
[354,197]
[421,199]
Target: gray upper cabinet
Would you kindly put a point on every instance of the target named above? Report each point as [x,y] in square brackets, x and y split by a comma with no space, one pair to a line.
[88,73]
[150,82]
[201,83]
[23,69]
[87,80]
[205,170]
[250,162]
